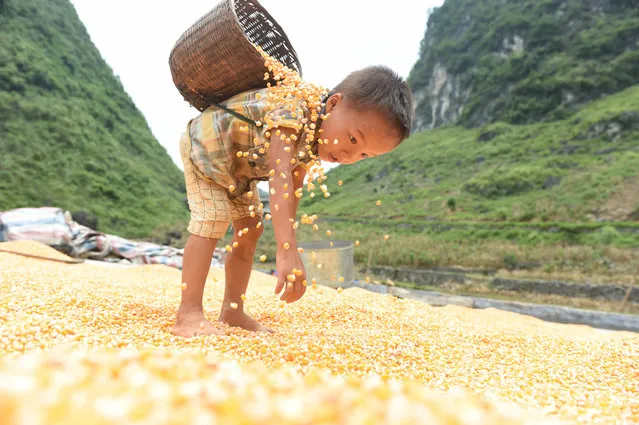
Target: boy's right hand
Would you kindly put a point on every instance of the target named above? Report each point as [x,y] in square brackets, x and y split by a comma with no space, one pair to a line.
[287,260]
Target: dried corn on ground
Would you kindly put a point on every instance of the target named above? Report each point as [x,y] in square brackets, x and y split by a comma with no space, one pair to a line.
[573,373]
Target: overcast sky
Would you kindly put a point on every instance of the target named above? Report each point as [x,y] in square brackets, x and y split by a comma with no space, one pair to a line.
[331,37]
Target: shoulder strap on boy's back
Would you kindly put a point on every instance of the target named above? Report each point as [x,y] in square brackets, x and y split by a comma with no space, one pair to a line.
[238,115]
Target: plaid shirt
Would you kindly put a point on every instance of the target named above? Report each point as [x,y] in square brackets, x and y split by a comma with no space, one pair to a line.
[217,136]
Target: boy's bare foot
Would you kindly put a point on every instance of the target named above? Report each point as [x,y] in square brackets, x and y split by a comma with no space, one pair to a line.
[242,320]
[193,324]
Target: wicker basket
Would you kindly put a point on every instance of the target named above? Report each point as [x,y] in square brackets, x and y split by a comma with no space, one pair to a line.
[214,59]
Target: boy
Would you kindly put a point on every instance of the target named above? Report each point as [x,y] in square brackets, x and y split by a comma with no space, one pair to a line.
[370,114]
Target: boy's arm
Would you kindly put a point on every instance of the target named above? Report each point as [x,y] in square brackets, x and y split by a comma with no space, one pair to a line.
[298,183]
[283,208]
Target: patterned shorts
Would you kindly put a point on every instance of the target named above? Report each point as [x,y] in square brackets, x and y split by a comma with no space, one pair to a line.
[211,209]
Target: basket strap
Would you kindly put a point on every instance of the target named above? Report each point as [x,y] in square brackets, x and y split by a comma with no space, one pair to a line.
[238,115]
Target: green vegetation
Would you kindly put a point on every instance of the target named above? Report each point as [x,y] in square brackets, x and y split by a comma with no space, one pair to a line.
[569,52]
[69,134]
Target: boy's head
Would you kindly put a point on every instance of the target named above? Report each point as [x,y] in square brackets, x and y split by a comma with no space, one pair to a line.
[371,112]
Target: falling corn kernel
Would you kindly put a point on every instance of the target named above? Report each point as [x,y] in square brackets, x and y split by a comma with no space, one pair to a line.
[341,279]
[339,183]
[231,188]
[228,248]
[184,285]
[328,233]
[249,194]
[271,173]
[286,245]
[295,226]
[285,196]
[378,203]
[290,277]
[267,217]
[335,141]
[340,289]
[252,214]
[327,195]
[304,282]
[245,230]
[331,244]
[262,258]
[235,244]
[278,161]
[239,154]
[300,250]
[386,237]
[277,207]
[272,191]
[315,227]
[234,306]
[356,243]
[258,225]
[367,280]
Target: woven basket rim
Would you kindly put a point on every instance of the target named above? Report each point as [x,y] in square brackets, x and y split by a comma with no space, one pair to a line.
[268,15]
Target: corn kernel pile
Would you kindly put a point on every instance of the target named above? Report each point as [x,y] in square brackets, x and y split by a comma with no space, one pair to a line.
[91,344]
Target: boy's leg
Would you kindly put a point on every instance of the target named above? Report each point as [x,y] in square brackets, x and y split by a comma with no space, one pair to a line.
[238,265]
[196,263]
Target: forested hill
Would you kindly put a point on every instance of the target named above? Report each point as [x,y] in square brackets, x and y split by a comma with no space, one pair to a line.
[70,136]
[522,61]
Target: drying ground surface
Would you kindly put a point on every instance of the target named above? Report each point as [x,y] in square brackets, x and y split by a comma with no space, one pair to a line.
[84,343]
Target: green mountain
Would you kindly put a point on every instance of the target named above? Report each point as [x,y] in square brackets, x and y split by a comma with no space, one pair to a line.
[70,136]
[532,111]
[522,61]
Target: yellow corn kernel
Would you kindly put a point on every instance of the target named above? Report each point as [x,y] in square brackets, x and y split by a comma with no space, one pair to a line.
[184,285]
[234,306]
[245,230]
[300,250]
[286,245]
[341,279]
[235,244]
[262,258]
[328,233]
[339,183]
[267,217]
[228,248]
[231,188]
[285,196]
[239,154]
[386,237]
[250,195]
[356,243]
[258,225]
[378,203]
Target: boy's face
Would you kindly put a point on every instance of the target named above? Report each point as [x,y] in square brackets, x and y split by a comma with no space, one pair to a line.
[360,135]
